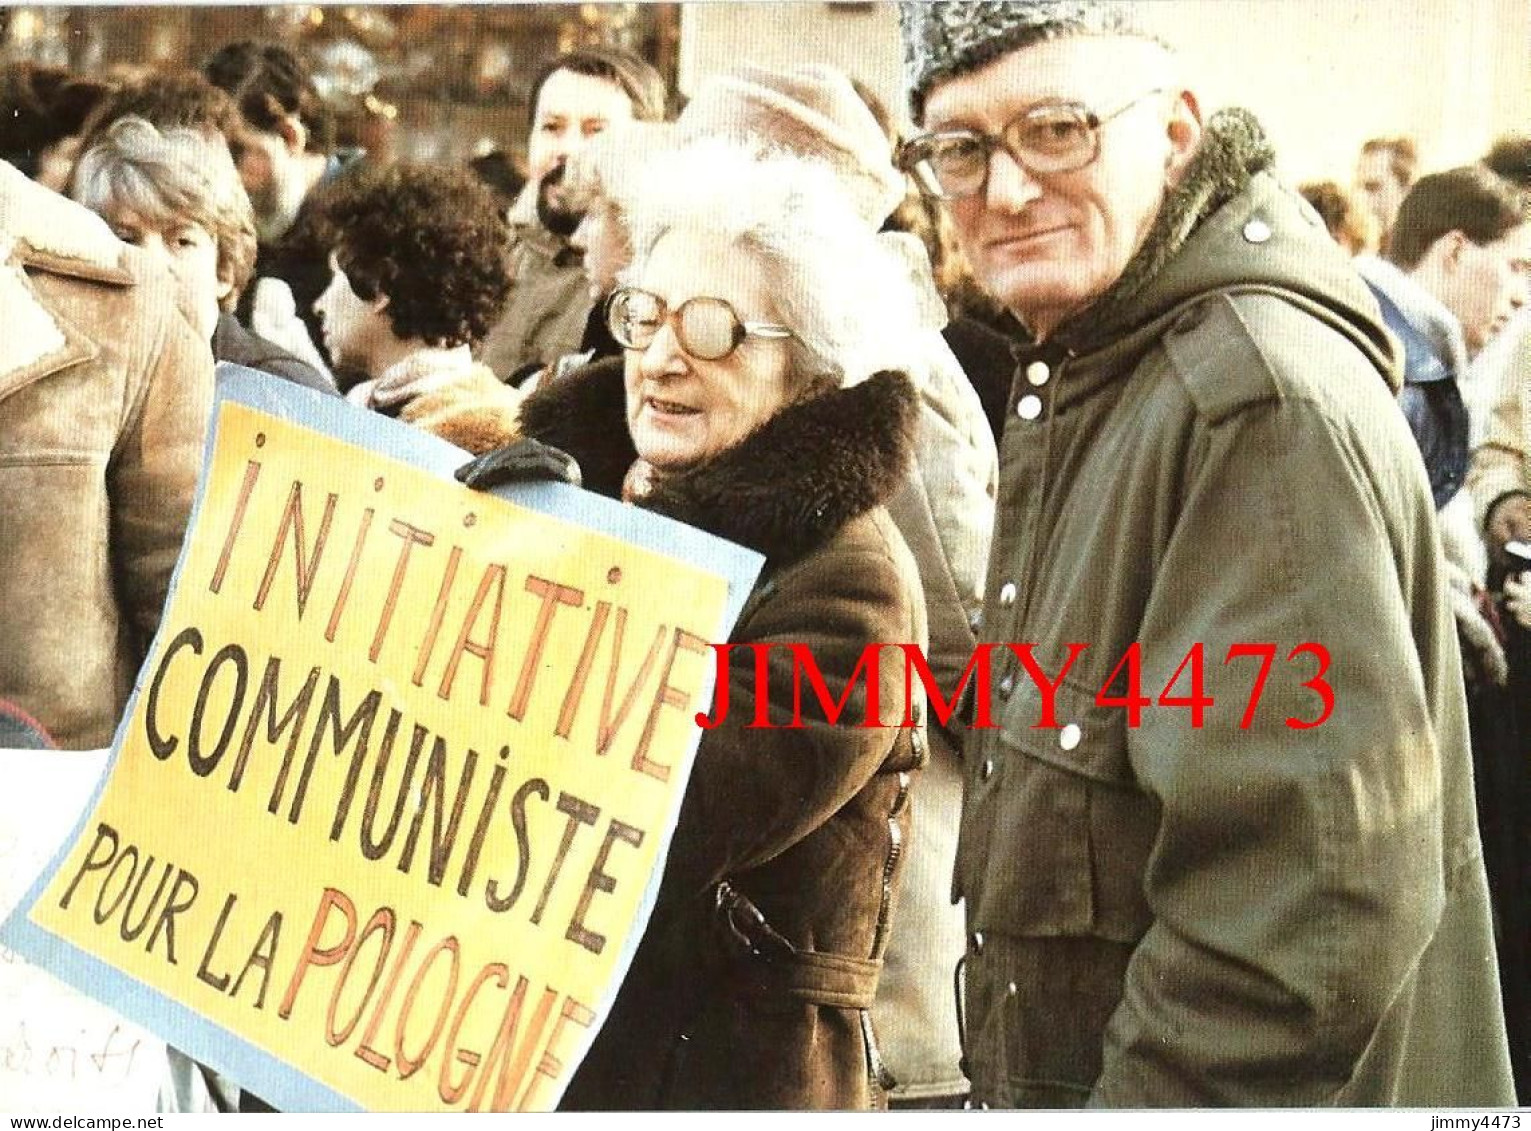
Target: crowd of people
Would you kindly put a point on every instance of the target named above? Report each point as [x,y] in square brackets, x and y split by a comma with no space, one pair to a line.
[1065,362]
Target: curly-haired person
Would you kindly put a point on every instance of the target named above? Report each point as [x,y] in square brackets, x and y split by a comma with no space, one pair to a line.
[418,275]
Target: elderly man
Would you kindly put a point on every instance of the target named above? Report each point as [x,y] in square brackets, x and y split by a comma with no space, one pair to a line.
[1218,844]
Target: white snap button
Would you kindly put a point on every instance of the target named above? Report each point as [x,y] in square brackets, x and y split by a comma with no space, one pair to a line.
[1029,407]
[1037,373]
[1069,736]
[1257,231]
[1007,593]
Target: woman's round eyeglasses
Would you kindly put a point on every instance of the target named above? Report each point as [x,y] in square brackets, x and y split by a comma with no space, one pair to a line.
[709,329]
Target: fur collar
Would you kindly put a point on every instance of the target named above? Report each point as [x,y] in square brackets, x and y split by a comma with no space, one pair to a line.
[43,229]
[783,490]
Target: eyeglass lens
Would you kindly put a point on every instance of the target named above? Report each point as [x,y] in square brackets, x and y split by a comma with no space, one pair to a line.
[1049,139]
[1052,138]
[707,328]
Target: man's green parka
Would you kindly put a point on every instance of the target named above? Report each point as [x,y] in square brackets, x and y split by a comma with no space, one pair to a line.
[1279,899]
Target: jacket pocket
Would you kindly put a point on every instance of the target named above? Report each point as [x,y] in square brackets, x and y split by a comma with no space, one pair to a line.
[1057,832]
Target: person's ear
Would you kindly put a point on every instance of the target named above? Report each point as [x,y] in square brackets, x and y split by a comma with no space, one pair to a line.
[225,287]
[293,132]
[1445,253]
[1456,249]
[1184,131]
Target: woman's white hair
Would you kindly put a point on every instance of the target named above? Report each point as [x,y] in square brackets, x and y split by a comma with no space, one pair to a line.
[169,177]
[849,302]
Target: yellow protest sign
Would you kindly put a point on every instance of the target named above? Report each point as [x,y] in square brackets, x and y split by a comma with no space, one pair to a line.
[397,780]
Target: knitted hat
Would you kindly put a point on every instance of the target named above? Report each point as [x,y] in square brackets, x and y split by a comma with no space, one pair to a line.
[813,111]
[942,41]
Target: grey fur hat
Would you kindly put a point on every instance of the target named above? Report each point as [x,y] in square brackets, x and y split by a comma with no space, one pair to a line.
[954,37]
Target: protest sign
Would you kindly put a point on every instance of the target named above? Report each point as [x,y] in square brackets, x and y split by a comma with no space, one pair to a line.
[60,1051]
[388,809]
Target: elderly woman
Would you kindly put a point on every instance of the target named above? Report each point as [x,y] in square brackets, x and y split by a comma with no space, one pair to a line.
[176,193]
[755,320]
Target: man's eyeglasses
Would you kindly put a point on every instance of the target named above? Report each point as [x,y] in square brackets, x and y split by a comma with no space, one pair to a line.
[1050,137]
[708,329]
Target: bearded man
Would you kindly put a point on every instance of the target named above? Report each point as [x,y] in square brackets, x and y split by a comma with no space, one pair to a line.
[578,96]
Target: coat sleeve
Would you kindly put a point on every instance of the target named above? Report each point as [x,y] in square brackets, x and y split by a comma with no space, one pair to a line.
[1297,877]
[152,478]
[755,792]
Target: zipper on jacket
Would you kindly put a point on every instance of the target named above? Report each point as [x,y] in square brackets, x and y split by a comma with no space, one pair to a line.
[890,863]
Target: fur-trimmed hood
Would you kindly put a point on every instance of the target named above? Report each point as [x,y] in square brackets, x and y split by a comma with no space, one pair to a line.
[783,490]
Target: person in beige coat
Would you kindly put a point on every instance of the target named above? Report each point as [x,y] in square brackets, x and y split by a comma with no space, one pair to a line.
[104,395]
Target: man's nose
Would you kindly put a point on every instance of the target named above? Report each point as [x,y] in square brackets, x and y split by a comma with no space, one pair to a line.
[566,145]
[1010,188]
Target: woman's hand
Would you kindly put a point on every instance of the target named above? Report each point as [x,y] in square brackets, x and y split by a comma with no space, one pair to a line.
[521,461]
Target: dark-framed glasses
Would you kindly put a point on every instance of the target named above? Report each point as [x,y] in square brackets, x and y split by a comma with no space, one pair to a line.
[709,329]
[1049,137]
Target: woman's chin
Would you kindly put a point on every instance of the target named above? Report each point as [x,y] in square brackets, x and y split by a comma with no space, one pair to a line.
[667,447]
[669,460]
